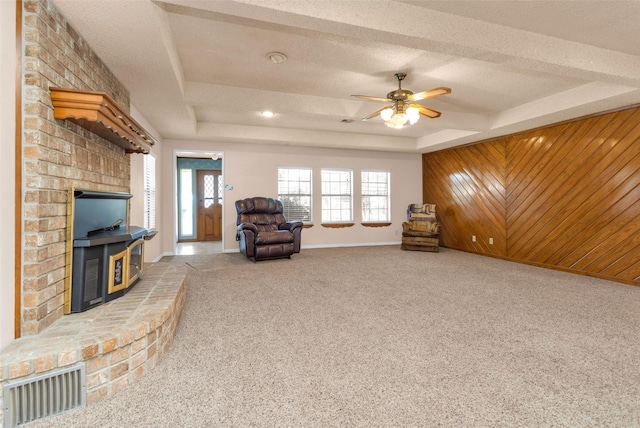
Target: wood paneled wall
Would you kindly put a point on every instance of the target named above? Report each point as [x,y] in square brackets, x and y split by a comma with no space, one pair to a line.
[566,196]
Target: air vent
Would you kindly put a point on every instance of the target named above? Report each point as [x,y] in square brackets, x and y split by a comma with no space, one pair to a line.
[45,395]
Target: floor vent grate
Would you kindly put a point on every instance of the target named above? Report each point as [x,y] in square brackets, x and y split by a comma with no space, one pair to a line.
[45,395]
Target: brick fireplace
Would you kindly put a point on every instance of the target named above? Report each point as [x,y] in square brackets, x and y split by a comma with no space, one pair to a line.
[121,339]
[58,155]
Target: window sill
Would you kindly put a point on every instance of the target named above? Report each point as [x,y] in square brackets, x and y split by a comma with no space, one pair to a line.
[375,224]
[307,225]
[337,225]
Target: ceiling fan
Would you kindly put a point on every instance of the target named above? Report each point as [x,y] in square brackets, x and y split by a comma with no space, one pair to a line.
[403,111]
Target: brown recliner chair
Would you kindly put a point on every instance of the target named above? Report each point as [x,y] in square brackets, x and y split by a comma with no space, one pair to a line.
[421,231]
[263,232]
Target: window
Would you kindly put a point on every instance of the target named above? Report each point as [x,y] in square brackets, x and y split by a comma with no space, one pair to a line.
[149,192]
[375,196]
[337,192]
[186,200]
[294,190]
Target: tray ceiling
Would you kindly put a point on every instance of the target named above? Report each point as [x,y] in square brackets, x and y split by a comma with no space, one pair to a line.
[198,70]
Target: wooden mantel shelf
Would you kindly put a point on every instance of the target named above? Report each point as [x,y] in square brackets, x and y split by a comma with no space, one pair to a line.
[98,113]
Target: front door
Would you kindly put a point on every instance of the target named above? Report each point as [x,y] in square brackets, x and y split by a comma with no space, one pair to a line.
[209,205]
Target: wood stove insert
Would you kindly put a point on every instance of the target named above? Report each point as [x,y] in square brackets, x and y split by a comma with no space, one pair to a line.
[107,255]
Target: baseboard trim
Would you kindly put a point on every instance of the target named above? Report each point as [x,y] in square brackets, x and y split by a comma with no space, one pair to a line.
[305,247]
[359,244]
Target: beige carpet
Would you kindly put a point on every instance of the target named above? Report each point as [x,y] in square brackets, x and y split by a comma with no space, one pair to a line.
[379,337]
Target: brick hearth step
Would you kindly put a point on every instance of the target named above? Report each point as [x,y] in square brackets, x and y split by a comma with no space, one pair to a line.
[119,341]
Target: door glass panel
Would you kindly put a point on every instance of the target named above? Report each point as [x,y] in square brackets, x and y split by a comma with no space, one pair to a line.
[208,190]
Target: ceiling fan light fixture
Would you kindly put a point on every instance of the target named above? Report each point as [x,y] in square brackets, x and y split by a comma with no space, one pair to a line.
[414,115]
[399,115]
[400,119]
[386,114]
[403,112]
[394,125]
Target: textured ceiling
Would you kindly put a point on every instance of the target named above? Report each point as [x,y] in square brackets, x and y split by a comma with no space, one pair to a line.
[197,70]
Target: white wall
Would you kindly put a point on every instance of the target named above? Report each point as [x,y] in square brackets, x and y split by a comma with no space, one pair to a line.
[252,171]
[7,168]
[152,248]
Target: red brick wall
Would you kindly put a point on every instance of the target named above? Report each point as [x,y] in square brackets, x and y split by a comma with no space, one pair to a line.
[58,155]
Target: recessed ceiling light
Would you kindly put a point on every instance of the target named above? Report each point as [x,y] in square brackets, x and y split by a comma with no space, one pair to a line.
[277,57]
[267,113]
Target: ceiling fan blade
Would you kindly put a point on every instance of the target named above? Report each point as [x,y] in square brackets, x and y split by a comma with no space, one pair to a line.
[366,97]
[425,111]
[429,94]
[374,114]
